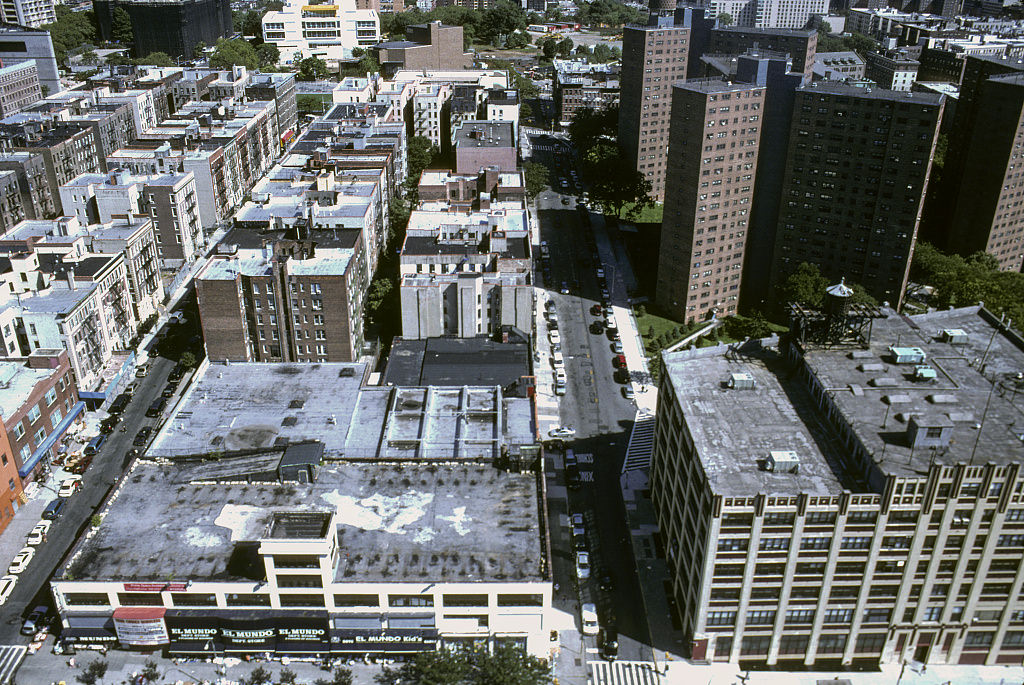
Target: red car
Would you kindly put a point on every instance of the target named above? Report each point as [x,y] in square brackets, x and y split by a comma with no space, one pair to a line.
[619,362]
[596,310]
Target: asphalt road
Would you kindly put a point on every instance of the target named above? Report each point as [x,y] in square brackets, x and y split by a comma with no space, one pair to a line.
[595,407]
[105,471]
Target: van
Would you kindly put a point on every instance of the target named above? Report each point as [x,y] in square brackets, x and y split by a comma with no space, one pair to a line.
[119,404]
[95,444]
[55,509]
[157,407]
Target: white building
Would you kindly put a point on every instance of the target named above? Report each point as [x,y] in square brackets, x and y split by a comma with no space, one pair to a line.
[327,31]
[430,112]
[30,13]
[769,14]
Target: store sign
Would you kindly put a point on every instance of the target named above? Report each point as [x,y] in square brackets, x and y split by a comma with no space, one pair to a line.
[154,587]
[141,631]
[399,640]
[187,633]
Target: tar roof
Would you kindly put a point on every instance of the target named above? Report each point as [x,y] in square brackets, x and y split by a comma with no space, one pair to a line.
[734,430]
[976,387]
[395,522]
[456,361]
[483,134]
[258,406]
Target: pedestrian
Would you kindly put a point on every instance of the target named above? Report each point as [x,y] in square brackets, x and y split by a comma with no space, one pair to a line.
[71,662]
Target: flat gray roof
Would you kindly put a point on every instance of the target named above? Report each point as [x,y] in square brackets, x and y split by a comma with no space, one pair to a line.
[976,388]
[395,522]
[735,430]
[260,405]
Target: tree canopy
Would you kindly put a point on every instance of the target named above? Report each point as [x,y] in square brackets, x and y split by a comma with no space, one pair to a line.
[71,31]
[312,69]
[121,26]
[536,178]
[806,285]
[421,153]
[268,55]
[233,52]
[506,666]
[857,42]
[964,281]
[496,25]
[157,59]
[608,13]
[592,125]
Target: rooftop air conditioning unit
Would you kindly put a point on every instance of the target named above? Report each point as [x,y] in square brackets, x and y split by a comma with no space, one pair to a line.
[741,381]
[785,461]
[954,336]
[924,372]
[908,355]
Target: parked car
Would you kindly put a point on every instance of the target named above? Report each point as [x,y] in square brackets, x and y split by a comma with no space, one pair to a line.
[617,347]
[38,534]
[579,542]
[565,288]
[588,616]
[169,390]
[562,432]
[142,371]
[628,393]
[34,621]
[622,376]
[576,520]
[95,445]
[80,466]
[131,388]
[21,560]
[596,310]
[619,361]
[108,424]
[582,565]
[142,437]
[69,486]
[156,408]
[597,327]
[554,337]
[609,642]
[176,374]
[119,404]
[7,584]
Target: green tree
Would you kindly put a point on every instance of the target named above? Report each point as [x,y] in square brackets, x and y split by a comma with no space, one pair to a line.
[564,48]
[309,103]
[188,360]
[341,676]
[548,47]
[725,19]
[421,152]
[93,672]
[232,52]
[602,54]
[258,676]
[150,672]
[527,88]
[506,666]
[517,40]
[121,26]
[157,59]
[755,326]
[287,677]
[71,31]
[536,178]
[252,25]
[312,69]
[368,64]
[590,126]
[805,285]
[268,55]
[199,50]
[502,18]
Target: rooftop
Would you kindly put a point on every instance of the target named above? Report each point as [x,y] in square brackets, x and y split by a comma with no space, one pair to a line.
[483,134]
[17,380]
[456,362]
[977,387]
[734,430]
[841,89]
[258,406]
[394,522]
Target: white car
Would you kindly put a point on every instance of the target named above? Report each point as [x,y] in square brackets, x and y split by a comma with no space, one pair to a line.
[588,614]
[562,432]
[7,584]
[554,337]
[21,560]
[38,533]
[70,486]
[582,565]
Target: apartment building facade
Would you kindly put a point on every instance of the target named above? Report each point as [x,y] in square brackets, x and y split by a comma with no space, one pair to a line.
[19,87]
[37,198]
[67,150]
[40,402]
[893,69]
[712,159]
[286,300]
[31,13]
[857,170]
[327,31]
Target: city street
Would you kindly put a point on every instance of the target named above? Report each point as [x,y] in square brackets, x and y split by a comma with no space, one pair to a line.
[106,469]
[595,407]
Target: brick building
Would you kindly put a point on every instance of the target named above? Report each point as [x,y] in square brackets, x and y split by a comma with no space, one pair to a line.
[277,299]
[39,402]
[19,87]
[431,46]
[37,198]
[67,150]
[483,144]
[800,44]
[712,160]
[583,85]
[856,174]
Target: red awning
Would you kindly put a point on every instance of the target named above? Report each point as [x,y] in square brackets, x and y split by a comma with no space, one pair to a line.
[287,135]
[139,613]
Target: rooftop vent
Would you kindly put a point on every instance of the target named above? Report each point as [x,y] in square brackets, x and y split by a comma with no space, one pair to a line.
[907,355]
[741,381]
[954,336]
[923,372]
[785,461]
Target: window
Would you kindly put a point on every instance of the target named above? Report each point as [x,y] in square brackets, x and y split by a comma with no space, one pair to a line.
[19,431]
[299,581]
[410,600]
[40,436]
[721,618]
[92,599]
[755,645]
[861,542]
[761,618]
[733,544]
[51,396]
[877,615]
[356,600]
[33,414]
[520,600]
[193,599]
[247,600]
[793,644]
[832,644]
[800,616]
[774,544]
[838,616]
[870,643]
[977,638]
[302,600]
[815,543]
[464,600]
[140,599]
[55,418]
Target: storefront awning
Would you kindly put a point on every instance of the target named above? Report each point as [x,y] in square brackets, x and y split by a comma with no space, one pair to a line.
[45,445]
[88,635]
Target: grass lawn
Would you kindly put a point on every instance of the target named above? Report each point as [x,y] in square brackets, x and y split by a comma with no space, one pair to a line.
[313,103]
[649,322]
[650,214]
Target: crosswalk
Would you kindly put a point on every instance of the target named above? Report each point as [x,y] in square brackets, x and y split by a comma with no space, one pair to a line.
[641,443]
[10,659]
[624,673]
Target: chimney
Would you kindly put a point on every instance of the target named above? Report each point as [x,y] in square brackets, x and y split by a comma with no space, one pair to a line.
[71,279]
